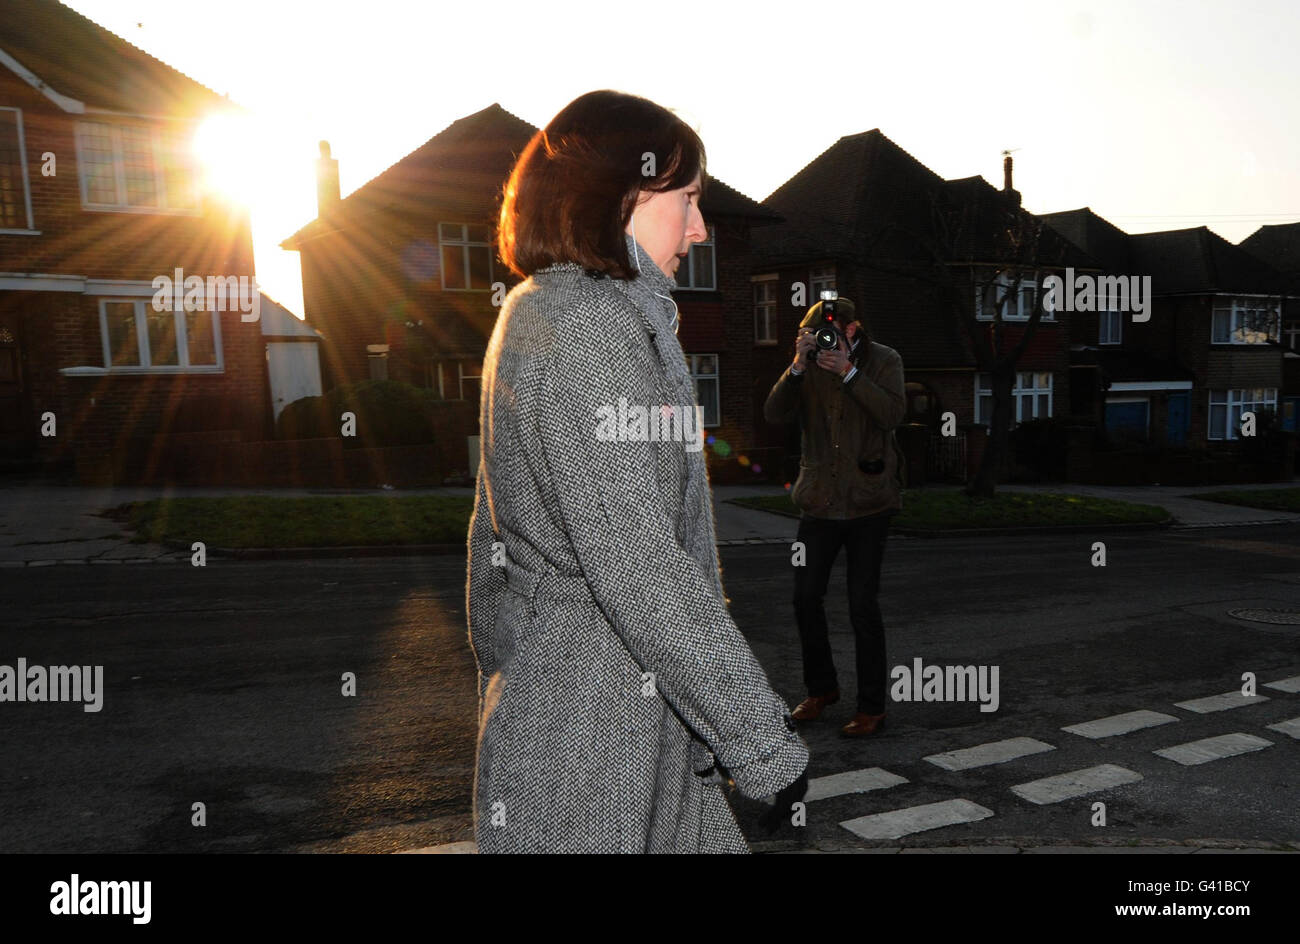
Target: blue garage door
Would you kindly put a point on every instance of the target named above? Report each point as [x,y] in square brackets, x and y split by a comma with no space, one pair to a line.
[1127,422]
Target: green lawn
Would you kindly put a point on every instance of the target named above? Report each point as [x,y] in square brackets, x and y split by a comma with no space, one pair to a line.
[1273,499]
[318,521]
[366,520]
[943,508]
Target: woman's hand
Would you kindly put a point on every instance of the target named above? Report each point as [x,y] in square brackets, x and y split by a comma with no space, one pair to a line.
[785,800]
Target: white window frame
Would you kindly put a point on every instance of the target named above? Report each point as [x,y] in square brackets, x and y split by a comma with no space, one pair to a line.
[764,310]
[158,154]
[1015,306]
[1237,307]
[465,244]
[27,184]
[143,308]
[1026,389]
[1240,399]
[692,364]
[1110,326]
[690,264]
[820,279]
[462,377]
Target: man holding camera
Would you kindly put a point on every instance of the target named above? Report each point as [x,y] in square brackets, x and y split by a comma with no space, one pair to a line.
[846,391]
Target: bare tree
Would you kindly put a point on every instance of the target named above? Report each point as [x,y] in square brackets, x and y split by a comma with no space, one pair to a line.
[976,256]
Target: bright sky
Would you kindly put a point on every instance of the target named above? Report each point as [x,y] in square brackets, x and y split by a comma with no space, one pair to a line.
[1157,114]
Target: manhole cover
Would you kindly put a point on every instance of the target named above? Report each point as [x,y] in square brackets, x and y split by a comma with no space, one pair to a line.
[1278,617]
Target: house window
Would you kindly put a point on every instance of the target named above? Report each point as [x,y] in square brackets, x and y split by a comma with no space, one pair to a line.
[137,337]
[433,378]
[1111,329]
[698,270]
[135,168]
[1244,321]
[1226,407]
[15,195]
[1032,396]
[765,309]
[466,253]
[471,377]
[821,279]
[1019,303]
[704,371]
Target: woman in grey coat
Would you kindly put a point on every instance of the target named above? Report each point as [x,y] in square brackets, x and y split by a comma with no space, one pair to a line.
[616,692]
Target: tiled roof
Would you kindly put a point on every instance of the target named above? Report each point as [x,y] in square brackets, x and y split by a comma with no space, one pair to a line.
[1098,237]
[82,60]
[1197,261]
[1181,261]
[846,194]
[1279,246]
[463,169]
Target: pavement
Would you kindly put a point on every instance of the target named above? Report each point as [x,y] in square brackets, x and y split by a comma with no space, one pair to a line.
[49,524]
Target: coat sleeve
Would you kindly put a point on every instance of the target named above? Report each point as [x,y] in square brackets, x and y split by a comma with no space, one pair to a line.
[783,402]
[884,398]
[484,584]
[662,604]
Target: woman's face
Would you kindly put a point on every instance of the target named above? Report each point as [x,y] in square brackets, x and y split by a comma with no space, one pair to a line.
[667,223]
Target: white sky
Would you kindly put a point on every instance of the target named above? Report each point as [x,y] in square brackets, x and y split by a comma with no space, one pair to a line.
[1157,114]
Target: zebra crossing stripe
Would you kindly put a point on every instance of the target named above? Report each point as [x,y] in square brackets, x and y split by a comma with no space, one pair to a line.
[1203,706]
[1213,748]
[983,755]
[851,781]
[1291,726]
[1290,685]
[1119,724]
[1076,783]
[915,819]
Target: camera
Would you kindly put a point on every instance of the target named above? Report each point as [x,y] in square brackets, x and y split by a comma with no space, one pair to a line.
[827,333]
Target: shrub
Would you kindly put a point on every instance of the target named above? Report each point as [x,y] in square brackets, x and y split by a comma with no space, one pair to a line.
[1040,445]
[388,413]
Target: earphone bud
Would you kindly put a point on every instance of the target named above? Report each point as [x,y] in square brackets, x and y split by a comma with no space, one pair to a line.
[677,315]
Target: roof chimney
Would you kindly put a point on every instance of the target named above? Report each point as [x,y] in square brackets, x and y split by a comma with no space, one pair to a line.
[1010,191]
[327,180]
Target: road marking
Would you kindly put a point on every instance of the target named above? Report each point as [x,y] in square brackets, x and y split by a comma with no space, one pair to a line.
[1074,784]
[1119,724]
[1215,748]
[1203,706]
[983,755]
[916,819]
[1291,726]
[1291,685]
[851,781]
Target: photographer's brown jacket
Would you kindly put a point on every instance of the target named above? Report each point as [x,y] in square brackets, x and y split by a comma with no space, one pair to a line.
[841,424]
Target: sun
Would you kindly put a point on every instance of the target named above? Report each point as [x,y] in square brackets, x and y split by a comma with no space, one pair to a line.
[226,147]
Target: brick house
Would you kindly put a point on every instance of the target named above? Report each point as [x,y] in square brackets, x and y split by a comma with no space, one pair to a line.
[399,278]
[1209,351]
[99,195]
[863,218]
[1279,246]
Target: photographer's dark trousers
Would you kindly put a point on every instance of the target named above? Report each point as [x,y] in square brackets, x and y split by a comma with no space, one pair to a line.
[864,541]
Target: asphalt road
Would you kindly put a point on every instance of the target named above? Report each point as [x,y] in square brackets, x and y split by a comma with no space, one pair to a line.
[224,686]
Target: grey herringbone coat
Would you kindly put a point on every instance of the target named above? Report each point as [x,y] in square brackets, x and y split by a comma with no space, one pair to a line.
[611,675]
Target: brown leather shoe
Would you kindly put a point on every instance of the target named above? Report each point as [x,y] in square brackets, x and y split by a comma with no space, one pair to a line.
[863,725]
[811,708]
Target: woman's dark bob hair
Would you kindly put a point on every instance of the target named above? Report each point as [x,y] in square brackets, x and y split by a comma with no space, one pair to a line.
[576,184]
